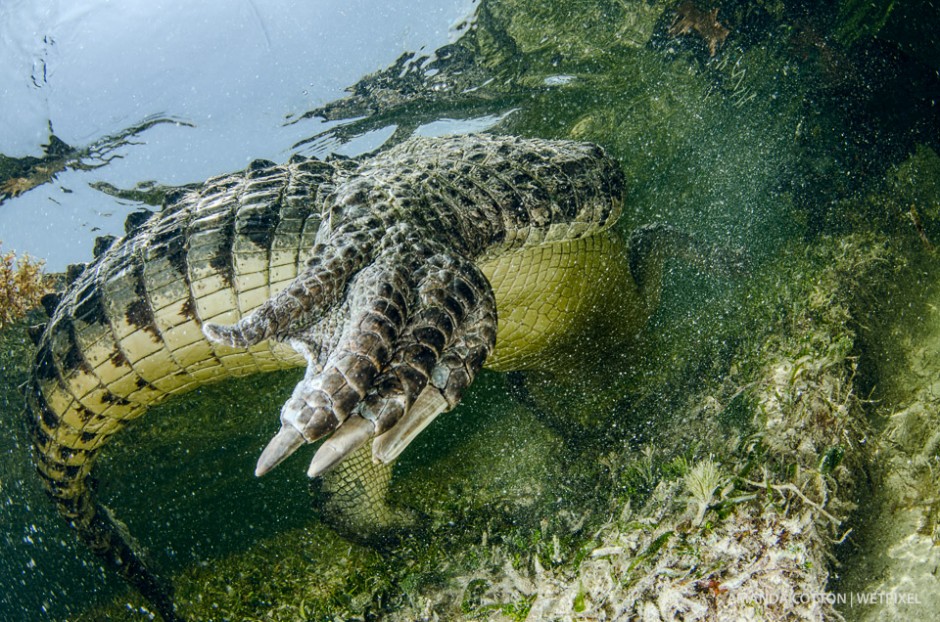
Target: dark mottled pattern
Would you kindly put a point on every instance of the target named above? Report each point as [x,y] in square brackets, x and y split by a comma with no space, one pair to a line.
[88,304]
[370,269]
[73,271]
[135,220]
[102,244]
[140,310]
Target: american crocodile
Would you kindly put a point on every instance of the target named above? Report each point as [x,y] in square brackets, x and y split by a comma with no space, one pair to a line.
[394,279]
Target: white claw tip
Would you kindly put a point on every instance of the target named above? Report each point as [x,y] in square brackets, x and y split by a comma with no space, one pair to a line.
[346,439]
[284,443]
[323,460]
[427,407]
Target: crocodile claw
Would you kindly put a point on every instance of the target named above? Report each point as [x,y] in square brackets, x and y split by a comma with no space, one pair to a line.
[391,306]
[347,438]
[284,443]
[426,408]
[411,319]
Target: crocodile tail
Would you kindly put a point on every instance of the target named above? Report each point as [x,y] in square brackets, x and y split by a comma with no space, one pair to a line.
[127,333]
[65,474]
[110,539]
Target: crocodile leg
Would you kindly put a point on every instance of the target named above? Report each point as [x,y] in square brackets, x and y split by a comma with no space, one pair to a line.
[352,499]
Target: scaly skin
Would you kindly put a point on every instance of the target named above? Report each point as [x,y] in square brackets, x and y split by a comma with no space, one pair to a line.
[386,276]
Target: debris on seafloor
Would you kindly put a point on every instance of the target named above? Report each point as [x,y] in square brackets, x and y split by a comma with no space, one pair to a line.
[690,18]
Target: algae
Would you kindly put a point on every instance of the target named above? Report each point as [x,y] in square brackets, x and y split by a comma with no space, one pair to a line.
[897,549]
[22,285]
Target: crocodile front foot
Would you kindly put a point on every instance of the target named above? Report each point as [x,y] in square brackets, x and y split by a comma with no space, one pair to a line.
[393,324]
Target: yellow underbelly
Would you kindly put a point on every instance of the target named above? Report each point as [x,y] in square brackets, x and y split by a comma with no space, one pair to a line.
[557,302]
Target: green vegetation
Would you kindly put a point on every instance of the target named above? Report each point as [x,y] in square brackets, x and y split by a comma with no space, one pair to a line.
[22,285]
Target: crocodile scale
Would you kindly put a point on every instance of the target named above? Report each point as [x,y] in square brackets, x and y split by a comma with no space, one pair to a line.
[384,275]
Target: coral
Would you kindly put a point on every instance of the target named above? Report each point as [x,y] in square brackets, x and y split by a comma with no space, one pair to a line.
[22,285]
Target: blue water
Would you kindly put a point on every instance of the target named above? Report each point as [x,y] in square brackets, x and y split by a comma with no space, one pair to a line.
[235,70]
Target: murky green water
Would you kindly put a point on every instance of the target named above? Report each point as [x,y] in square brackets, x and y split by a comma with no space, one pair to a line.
[808,140]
